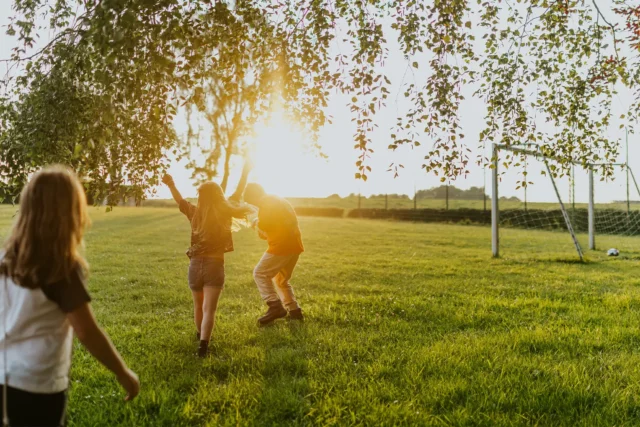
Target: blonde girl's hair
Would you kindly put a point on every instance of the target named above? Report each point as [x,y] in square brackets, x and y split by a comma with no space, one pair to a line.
[45,242]
[214,212]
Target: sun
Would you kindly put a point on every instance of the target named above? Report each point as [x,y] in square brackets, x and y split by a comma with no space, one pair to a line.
[285,162]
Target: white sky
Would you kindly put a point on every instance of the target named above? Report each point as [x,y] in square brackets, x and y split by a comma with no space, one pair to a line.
[288,168]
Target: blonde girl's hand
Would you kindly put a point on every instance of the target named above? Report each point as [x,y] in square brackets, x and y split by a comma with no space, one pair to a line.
[130,383]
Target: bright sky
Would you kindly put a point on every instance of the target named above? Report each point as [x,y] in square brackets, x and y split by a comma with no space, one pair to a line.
[286,165]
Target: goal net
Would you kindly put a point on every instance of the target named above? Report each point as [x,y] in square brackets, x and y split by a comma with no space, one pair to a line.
[573,217]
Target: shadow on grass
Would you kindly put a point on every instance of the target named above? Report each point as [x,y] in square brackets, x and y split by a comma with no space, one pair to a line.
[551,261]
[569,261]
[590,262]
[285,374]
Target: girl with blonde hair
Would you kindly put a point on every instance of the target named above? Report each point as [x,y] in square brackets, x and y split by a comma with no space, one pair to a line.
[211,225]
[45,300]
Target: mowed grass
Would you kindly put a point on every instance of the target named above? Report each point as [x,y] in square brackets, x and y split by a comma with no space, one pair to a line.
[407,324]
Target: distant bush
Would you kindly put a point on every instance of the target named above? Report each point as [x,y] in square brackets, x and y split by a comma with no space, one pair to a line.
[475,216]
[158,203]
[392,196]
[322,212]
[454,193]
[538,219]
[163,203]
[510,199]
[607,221]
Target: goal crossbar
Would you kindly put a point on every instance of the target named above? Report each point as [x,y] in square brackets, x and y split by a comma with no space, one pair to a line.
[522,149]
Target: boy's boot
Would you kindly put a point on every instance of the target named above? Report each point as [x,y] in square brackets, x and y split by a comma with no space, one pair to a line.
[296,315]
[276,311]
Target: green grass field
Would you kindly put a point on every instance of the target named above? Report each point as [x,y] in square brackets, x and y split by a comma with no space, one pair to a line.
[407,324]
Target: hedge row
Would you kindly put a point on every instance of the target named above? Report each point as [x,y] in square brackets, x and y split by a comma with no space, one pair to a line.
[323,212]
[159,203]
[475,216]
[607,221]
[629,224]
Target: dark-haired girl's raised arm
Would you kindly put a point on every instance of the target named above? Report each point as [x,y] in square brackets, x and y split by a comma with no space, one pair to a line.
[185,207]
[168,181]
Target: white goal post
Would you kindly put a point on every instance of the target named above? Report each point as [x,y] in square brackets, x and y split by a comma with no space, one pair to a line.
[532,150]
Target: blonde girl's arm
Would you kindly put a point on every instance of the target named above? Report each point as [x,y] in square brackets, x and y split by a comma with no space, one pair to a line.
[261,233]
[237,195]
[94,339]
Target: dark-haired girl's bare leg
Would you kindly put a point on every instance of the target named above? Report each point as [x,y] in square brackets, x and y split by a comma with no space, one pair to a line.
[198,301]
[209,308]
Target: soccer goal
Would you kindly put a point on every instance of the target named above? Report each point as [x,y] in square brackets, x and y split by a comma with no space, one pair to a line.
[557,216]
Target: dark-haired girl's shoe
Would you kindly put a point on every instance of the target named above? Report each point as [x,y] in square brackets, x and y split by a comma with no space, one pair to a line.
[203,349]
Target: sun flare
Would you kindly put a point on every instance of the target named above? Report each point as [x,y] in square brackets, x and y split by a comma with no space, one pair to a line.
[285,162]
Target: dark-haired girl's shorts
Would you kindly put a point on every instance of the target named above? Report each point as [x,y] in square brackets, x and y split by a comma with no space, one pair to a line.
[206,272]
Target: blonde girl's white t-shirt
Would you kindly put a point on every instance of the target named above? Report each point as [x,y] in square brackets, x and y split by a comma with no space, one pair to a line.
[36,339]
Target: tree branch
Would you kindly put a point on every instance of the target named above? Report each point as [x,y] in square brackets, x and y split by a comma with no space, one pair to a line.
[304,15]
[74,29]
[613,27]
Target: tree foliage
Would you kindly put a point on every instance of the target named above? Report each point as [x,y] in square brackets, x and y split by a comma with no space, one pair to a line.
[102,94]
[231,102]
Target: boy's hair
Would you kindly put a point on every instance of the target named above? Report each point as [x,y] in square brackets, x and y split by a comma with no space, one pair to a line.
[253,193]
[214,211]
[44,245]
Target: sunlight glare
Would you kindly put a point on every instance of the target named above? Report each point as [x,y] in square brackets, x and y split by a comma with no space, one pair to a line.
[285,161]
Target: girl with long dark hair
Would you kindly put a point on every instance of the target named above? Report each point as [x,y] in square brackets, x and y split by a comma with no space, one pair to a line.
[211,223]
